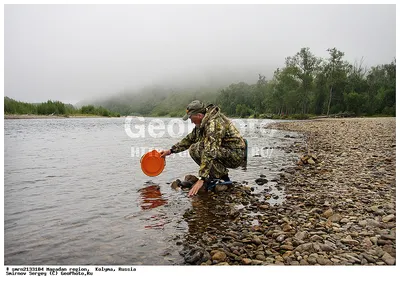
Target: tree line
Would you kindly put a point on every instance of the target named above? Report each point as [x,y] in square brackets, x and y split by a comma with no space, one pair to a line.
[306,85]
[309,85]
[12,106]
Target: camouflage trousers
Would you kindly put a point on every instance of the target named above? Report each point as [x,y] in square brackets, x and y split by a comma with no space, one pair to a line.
[226,158]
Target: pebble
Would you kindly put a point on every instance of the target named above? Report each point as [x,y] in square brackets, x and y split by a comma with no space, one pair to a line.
[388,259]
[388,218]
[219,256]
[246,261]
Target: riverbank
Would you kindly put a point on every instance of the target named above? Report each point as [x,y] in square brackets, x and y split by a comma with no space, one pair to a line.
[49,116]
[339,208]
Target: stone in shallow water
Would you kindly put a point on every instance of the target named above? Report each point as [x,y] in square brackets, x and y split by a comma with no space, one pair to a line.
[261,181]
[191,178]
[176,184]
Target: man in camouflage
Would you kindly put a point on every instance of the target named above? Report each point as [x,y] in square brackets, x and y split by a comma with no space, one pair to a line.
[215,144]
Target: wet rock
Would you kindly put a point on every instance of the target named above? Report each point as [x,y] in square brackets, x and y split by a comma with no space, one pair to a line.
[176,184]
[191,178]
[261,181]
[194,256]
[187,184]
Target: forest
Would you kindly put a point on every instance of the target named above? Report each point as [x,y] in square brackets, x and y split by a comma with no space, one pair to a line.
[13,107]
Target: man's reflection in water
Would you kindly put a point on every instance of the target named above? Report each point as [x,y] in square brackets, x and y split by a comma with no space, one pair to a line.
[151,198]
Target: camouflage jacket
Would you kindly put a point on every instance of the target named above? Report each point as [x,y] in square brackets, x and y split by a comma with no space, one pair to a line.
[216,131]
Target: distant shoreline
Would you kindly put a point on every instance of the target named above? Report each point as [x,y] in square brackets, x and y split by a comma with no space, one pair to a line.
[49,117]
[29,116]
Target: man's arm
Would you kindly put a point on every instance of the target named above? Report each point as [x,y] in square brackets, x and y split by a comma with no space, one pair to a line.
[185,143]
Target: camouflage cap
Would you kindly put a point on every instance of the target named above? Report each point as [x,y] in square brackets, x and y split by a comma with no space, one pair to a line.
[194,107]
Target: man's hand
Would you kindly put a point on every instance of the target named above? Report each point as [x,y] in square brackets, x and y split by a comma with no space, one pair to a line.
[196,187]
[165,153]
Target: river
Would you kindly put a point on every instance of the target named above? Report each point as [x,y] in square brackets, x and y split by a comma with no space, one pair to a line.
[74,192]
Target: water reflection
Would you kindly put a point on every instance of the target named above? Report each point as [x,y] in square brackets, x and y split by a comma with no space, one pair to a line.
[151,197]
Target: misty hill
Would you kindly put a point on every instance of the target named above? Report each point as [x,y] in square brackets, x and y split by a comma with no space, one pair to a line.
[169,97]
[156,101]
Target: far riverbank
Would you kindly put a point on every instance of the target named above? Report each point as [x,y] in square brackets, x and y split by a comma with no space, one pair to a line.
[49,117]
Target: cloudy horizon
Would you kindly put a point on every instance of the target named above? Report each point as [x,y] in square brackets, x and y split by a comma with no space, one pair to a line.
[75,52]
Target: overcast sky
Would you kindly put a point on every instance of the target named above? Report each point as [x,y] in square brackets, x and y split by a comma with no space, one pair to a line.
[74,52]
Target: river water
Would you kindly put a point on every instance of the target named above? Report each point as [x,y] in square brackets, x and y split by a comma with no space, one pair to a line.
[74,192]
